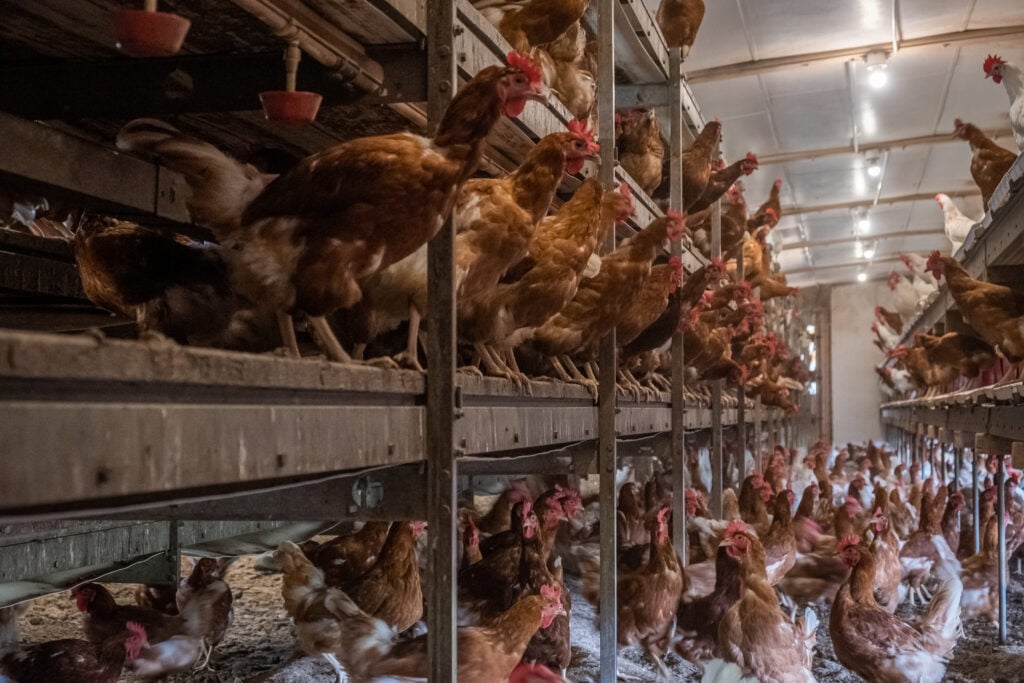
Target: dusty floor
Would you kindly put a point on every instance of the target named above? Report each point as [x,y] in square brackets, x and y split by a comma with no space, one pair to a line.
[259,645]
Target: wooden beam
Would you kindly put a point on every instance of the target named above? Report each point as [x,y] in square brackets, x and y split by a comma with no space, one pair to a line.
[760,66]
[845,264]
[868,203]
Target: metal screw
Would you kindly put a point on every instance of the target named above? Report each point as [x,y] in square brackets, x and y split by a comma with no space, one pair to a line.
[444,51]
[444,86]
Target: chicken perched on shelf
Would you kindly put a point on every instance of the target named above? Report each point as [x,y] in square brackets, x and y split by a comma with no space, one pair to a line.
[547,280]
[698,162]
[957,225]
[72,660]
[600,301]
[679,21]
[640,149]
[312,236]
[905,298]
[880,646]
[989,162]
[721,180]
[980,575]
[648,595]
[993,311]
[999,70]
[770,212]
[538,22]
[565,73]
[754,633]
[167,283]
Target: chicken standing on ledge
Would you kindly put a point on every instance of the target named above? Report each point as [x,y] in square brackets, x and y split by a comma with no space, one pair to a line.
[679,21]
[989,162]
[999,70]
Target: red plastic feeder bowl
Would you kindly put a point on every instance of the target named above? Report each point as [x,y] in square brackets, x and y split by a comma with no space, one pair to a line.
[149,34]
[299,107]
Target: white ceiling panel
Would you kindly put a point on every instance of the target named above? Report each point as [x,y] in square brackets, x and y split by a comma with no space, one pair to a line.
[814,106]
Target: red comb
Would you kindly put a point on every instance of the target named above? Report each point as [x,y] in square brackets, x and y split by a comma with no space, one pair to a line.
[663,513]
[517,60]
[735,527]
[585,131]
[991,61]
[958,122]
[136,628]
[751,157]
[674,215]
[527,506]
[771,212]
[624,189]
[551,592]
[849,541]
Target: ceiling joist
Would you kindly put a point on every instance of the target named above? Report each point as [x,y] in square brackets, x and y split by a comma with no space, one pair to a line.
[845,264]
[868,203]
[881,145]
[862,238]
[760,66]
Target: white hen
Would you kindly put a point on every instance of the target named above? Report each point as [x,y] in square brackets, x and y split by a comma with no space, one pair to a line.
[904,296]
[957,224]
[1012,78]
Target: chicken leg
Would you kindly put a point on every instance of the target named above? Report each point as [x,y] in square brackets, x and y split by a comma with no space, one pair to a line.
[287,327]
[326,339]
[410,358]
[336,665]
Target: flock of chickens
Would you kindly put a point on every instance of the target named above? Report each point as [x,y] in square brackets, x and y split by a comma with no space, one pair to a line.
[338,242]
[855,531]
[990,347]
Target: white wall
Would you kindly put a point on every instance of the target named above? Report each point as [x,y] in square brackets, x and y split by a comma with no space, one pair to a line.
[855,393]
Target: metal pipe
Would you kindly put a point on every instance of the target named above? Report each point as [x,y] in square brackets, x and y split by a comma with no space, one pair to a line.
[1001,512]
[759,66]
[975,501]
[851,89]
[881,178]
[333,48]
[675,177]
[606,387]
[717,460]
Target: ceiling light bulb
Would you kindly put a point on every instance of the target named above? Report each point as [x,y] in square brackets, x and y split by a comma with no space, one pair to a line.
[862,277]
[863,224]
[874,169]
[858,249]
[810,329]
[869,253]
[877,79]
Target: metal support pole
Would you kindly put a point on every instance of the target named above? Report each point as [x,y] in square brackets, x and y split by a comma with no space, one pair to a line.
[717,461]
[675,201]
[441,472]
[975,500]
[606,389]
[758,409]
[741,398]
[1001,523]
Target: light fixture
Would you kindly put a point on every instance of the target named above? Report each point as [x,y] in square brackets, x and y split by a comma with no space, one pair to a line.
[863,222]
[877,61]
[869,252]
[874,167]
[810,329]
[858,249]
[862,276]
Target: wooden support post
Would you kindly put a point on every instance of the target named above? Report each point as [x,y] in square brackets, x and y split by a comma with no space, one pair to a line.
[741,398]
[1003,560]
[606,390]
[440,444]
[678,362]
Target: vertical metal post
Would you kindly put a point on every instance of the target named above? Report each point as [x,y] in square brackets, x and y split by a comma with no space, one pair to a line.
[606,390]
[675,201]
[717,461]
[975,500]
[741,396]
[441,473]
[757,433]
[1001,523]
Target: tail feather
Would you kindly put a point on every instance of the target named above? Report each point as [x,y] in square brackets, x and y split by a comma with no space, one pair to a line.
[589,560]
[721,671]
[948,566]
[940,625]
[222,187]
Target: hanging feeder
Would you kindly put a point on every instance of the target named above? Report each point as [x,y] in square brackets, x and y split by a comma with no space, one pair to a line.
[291,106]
[148,33]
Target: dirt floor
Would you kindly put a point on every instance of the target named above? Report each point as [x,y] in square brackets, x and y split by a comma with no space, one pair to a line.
[259,645]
